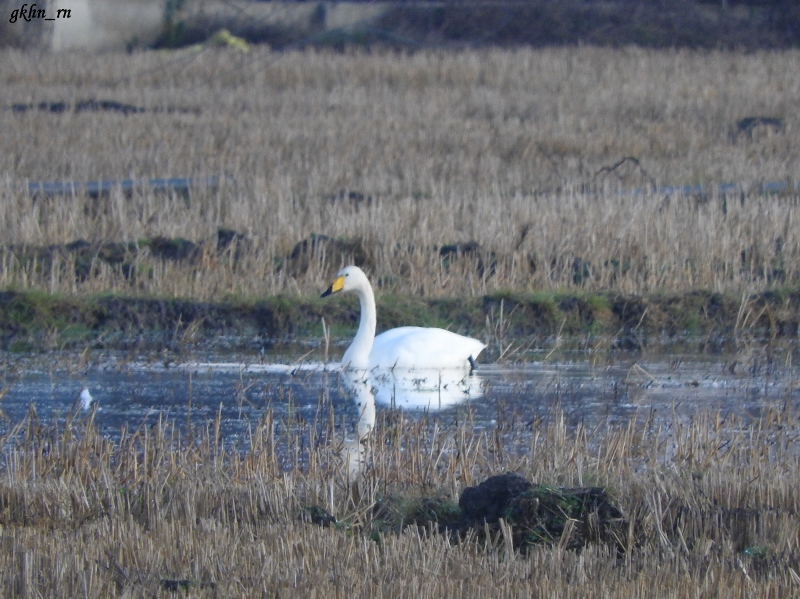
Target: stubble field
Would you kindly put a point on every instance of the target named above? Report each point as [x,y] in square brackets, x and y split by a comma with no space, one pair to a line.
[708,508]
[534,156]
[529,154]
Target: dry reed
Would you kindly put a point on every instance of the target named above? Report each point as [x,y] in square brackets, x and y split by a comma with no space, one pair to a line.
[503,147]
[509,148]
[712,506]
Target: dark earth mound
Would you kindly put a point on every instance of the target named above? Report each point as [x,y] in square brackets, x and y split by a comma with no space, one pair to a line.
[535,515]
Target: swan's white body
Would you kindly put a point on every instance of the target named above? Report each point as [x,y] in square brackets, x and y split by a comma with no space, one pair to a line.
[403,347]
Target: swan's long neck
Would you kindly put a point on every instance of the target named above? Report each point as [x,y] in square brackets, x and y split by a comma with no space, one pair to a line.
[357,355]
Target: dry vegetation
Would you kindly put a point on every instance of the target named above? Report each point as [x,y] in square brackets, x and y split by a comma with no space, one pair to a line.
[512,149]
[712,506]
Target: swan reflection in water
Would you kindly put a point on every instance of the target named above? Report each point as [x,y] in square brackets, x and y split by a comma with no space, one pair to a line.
[423,389]
[412,390]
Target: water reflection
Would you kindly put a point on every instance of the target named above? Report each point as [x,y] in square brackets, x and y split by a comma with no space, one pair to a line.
[431,390]
[586,390]
[408,389]
[359,389]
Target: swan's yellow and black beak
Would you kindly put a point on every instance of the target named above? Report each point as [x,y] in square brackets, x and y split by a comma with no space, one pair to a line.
[337,285]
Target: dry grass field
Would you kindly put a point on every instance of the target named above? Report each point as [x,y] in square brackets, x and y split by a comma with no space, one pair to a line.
[397,155]
[711,508]
[392,157]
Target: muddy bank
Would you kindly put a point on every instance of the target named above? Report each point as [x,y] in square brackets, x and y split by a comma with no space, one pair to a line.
[699,320]
[33,320]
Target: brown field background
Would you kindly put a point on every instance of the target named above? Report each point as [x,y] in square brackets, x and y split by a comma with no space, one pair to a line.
[512,149]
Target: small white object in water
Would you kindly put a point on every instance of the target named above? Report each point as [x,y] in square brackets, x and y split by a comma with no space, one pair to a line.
[86,399]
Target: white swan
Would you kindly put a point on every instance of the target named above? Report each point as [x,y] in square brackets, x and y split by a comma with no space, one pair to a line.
[403,347]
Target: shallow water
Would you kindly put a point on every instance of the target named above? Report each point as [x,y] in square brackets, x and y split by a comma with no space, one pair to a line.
[588,390]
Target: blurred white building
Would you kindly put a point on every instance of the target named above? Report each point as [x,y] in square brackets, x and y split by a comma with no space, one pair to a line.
[101,25]
[80,24]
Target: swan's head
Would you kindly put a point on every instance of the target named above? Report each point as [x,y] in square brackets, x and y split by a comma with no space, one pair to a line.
[350,278]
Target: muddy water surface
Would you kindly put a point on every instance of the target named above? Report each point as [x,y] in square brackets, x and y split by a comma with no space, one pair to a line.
[589,391]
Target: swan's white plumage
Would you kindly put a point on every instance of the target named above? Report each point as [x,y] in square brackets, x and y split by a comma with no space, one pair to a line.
[420,347]
[403,347]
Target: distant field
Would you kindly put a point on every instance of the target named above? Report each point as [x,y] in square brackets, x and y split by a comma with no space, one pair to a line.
[394,156]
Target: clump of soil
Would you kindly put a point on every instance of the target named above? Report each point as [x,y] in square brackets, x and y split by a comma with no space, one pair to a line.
[536,514]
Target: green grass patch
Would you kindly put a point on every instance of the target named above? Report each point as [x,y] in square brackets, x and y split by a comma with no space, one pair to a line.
[34,319]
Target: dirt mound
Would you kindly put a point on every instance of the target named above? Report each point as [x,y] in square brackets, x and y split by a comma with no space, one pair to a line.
[534,514]
[573,517]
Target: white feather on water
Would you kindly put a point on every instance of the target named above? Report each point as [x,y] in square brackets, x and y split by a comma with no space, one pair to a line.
[85,398]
